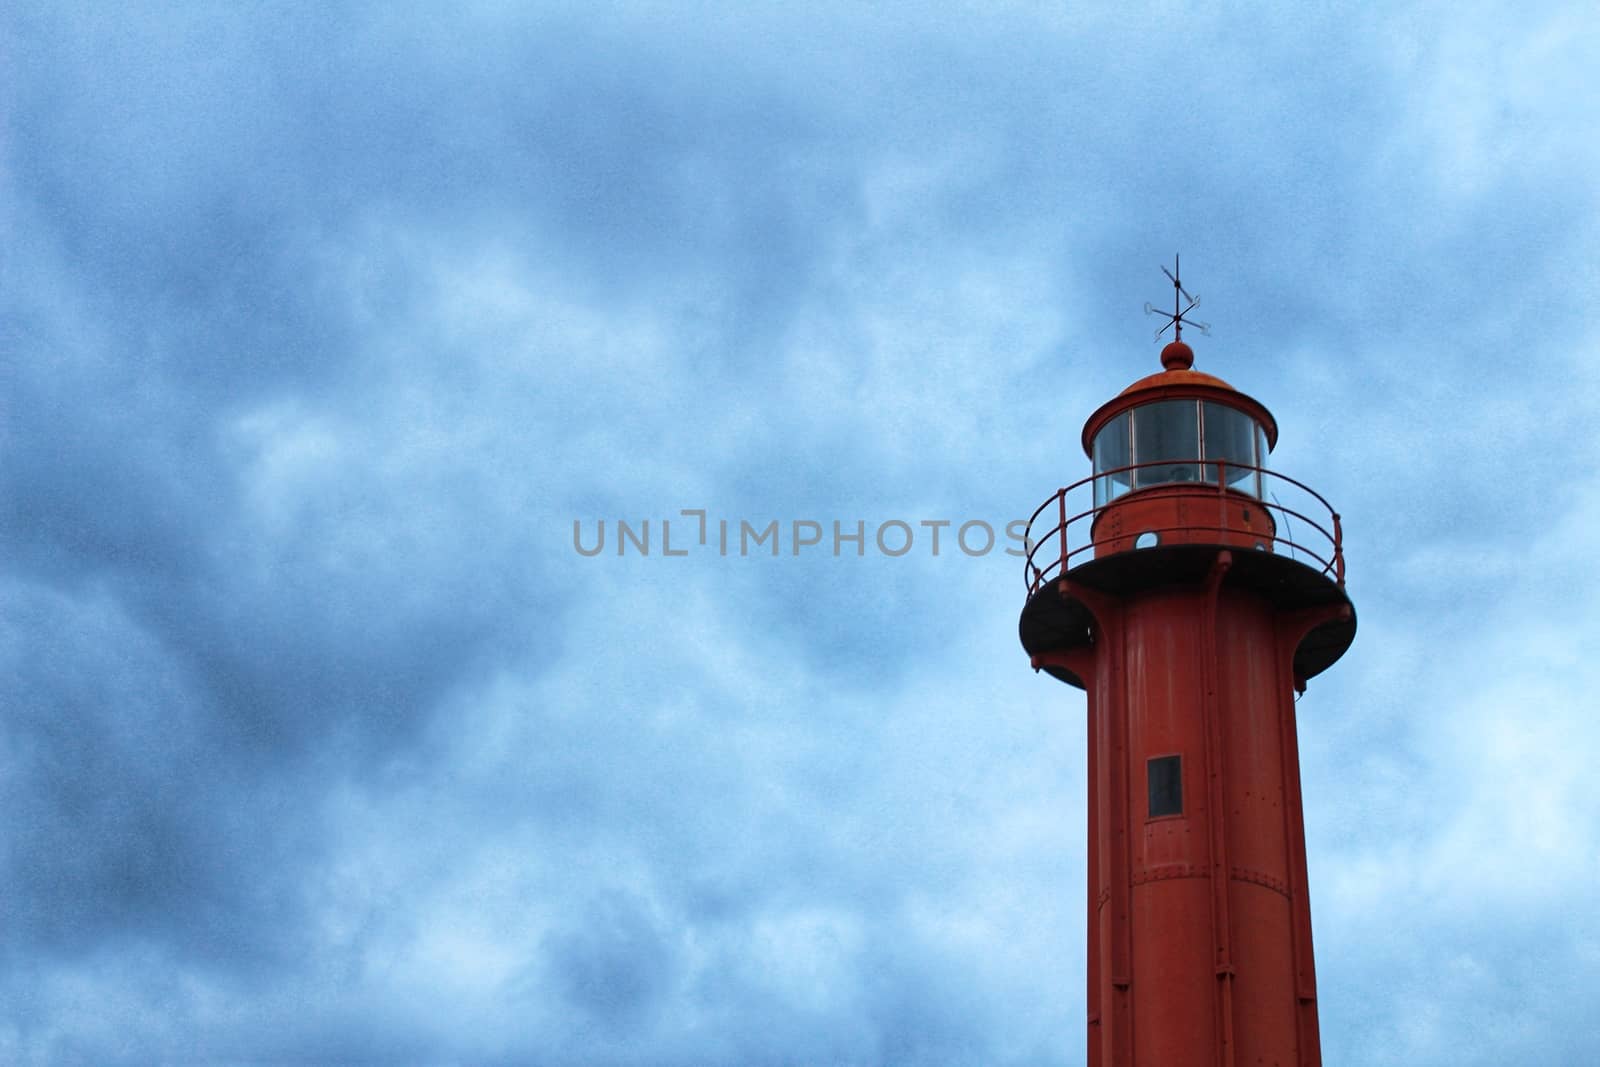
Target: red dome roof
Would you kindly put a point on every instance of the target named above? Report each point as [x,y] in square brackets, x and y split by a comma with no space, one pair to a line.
[1177,377]
[1178,381]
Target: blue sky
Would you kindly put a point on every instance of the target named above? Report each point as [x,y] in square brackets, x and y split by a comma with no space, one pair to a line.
[320,326]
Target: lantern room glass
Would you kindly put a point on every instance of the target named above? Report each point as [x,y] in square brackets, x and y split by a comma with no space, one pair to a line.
[1166,434]
[1177,441]
[1230,437]
[1110,454]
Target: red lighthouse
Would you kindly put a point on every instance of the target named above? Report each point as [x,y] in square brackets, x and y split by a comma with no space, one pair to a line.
[1192,592]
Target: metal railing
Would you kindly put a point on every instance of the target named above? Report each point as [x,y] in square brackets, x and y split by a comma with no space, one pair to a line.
[1054,551]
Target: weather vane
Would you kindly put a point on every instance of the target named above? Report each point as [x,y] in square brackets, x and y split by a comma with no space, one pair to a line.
[1175,317]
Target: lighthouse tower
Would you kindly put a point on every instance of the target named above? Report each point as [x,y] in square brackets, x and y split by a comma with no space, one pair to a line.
[1191,592]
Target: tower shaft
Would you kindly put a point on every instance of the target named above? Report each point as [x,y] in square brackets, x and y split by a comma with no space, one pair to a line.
[1199,925]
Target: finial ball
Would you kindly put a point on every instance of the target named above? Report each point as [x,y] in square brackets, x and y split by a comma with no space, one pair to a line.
[1177,356]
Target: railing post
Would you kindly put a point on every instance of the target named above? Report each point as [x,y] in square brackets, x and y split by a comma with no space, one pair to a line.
[1061,500]
[1338,550]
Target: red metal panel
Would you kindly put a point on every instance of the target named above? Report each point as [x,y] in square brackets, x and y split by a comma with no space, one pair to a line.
[1184,514]
[1171,927]
[1264,1000]
[1174,989]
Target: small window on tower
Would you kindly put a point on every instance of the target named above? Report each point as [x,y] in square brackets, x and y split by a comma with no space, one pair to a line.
[1166,786]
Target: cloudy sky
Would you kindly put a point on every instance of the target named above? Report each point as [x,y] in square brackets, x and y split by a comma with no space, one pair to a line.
[321,326]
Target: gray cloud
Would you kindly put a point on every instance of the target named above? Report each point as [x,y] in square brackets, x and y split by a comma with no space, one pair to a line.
[322,744]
